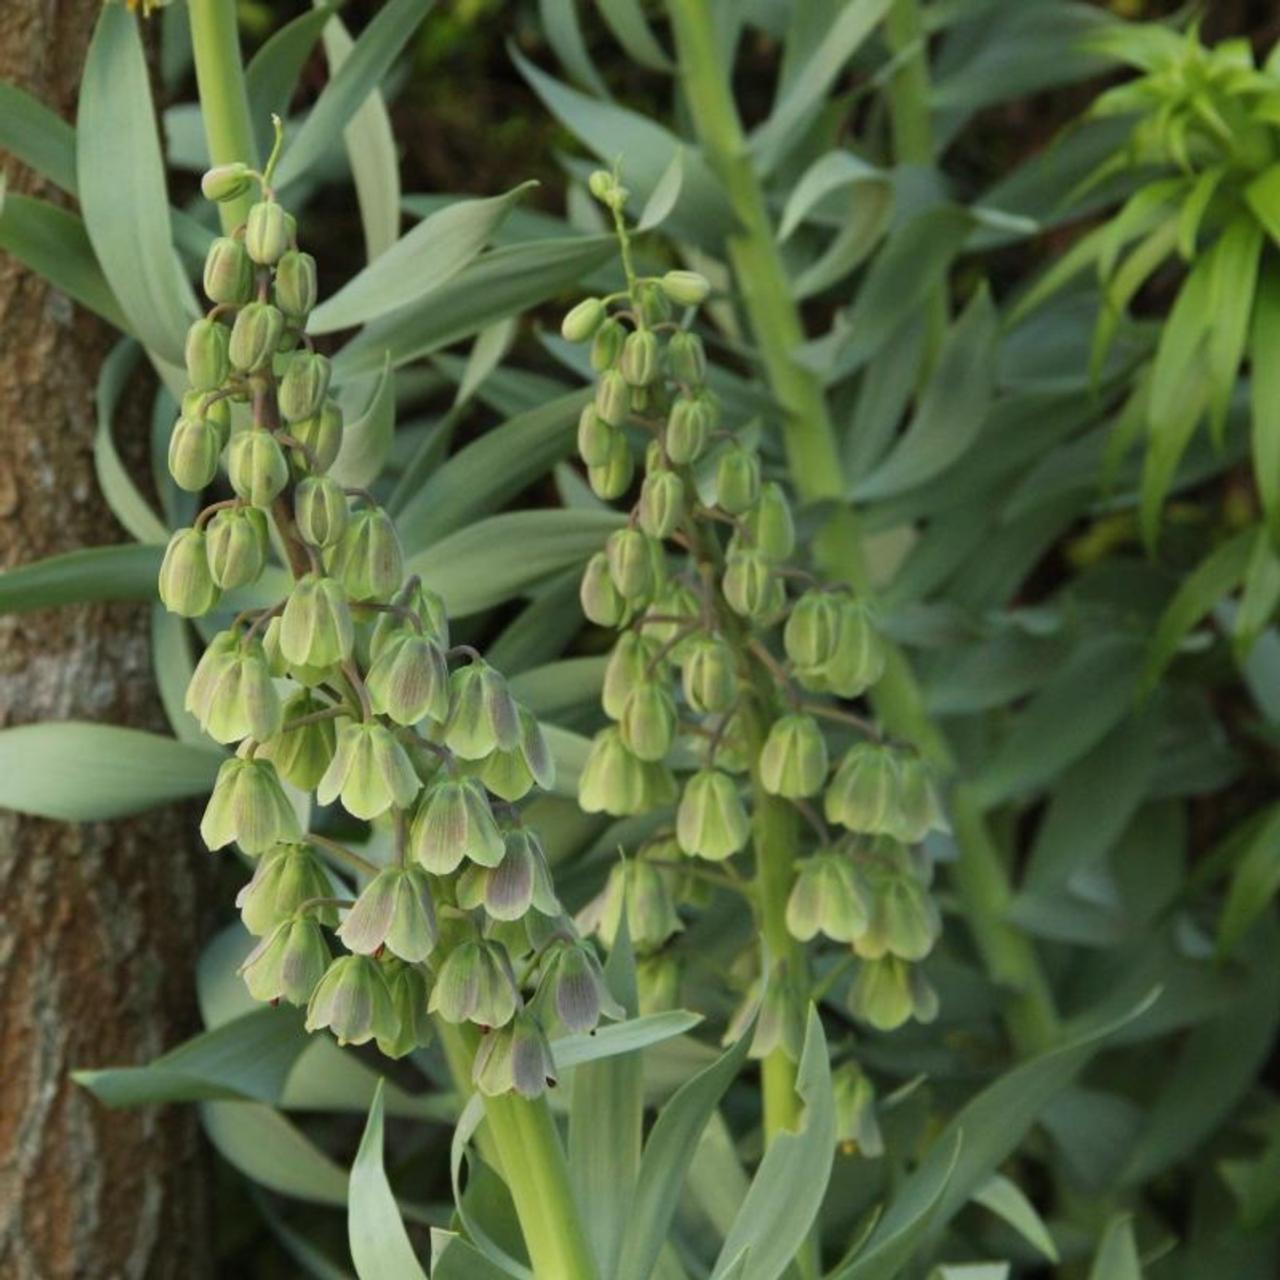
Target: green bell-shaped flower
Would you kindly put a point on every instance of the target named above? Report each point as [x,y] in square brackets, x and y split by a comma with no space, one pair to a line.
[709,675]
[887,992]
[648,723]
[316,628]
[321,511]
[475,984]
[370,771]
[812,633]
[288,963]
[711,821]
[201,404]
[304,386]
[249,806]
[228,272]
[828,897]
[595,437]
[194,449]
[864,795]
[218,654]
[613,778]
[793,760]
[689,426]
[778,1023]
[661,504]
[257,467]
[515,1058]
[425,605]
[353,1001]
[674,607]
[295,284]
[631,663]
[904,919]
[255,337]
[520,881]
[483,716]
[241,700]
[410,993]
[857,1129]
[454,822]
[919,810]
[321,438]
[630,563]
[750,586]
[368,560]
[859,657]
[394,911]
[284,880]
[582,322]
[613,397]
[640,889]
[303,754]
[602,602]
[236,541]
[409,680]
[186,586]
[207,355]
[267,232]
[574,987]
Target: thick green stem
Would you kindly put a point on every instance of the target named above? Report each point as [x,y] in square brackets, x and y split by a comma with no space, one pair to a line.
[814,461]
[224,101]
[537,1175]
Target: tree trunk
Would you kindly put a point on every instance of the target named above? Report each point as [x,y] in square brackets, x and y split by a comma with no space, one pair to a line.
[99,922]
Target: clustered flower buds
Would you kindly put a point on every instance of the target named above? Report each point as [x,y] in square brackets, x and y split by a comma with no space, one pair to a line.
[730,678]
[347,688]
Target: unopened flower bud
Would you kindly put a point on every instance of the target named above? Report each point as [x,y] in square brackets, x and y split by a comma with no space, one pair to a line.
[295,284]
[394,911]
[582,322]
[410,994]
[711,821]
[194,449]
[602,602]
[613,478]
[288,963]
[655,306]
[226,181]
[613,397]
[772,530]
[423,604]
[595,437]
[257,467]
[455,823]
[859,656]
[482,713]
[255,335]
[370,771]
[218,654]
[661,503]
[737,479]
[409,680]
[241,700]
[321,436]
[316,628]
[284,880]
[828,897]
[631,662]
[709,675]
[186,585]
[793,760]
[857,1129]
[749,585]
[249,806]
[515,1058]
[307,676]
[642,890]
[677,604]
[603,185]
[228,272]
[918,809]
[690,423]
[236,540]
[475,985]
[864,794]
[304,386]
[606,346]
[320,510]
[613,778]
[302,755]
[640,358]
[201,404]
[648,723]
[813,630]
[353,1001]
[266,233]
[630,563]
[686,288]
[207,355]
[368,560]
[687,358]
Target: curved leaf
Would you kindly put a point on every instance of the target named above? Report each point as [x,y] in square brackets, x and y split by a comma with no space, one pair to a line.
[124,572]
[122,495]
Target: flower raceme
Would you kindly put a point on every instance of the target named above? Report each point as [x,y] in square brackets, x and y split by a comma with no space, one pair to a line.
[730,676]
[347,688]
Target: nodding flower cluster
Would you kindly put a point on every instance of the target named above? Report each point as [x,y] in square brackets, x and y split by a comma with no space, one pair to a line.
[732,672]
[348,688]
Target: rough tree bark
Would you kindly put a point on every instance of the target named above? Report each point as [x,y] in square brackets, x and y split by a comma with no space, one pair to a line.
[98,921]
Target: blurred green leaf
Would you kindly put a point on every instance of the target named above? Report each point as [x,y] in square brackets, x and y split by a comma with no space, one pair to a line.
[272,74]
[122,495]
[124,572]
[36,136]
